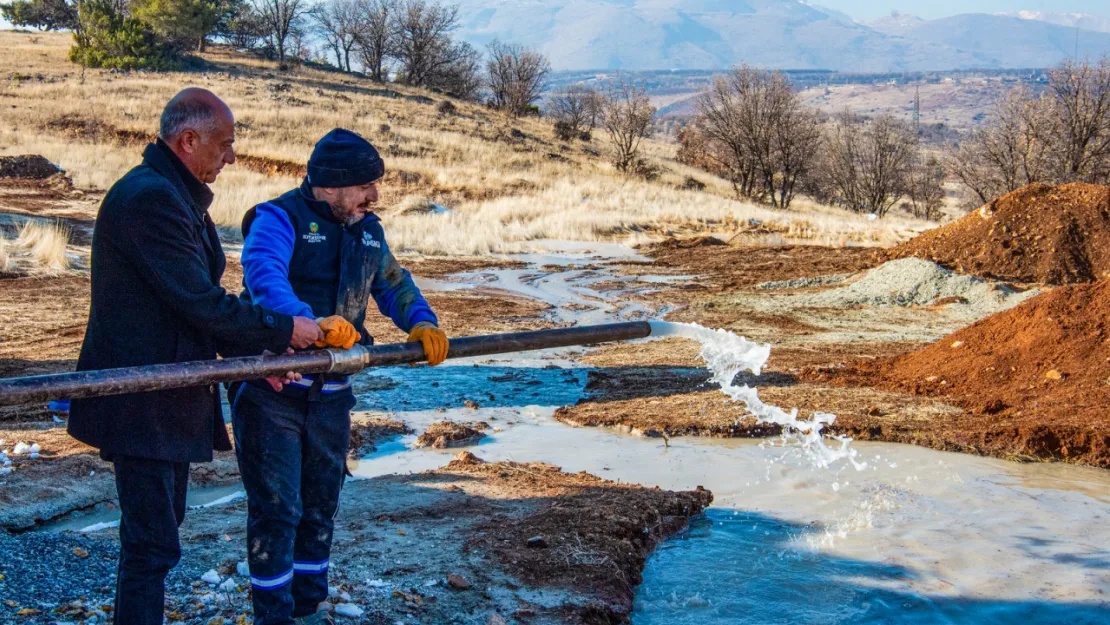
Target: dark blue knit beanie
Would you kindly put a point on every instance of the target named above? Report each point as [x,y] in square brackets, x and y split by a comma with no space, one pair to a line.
[344,159]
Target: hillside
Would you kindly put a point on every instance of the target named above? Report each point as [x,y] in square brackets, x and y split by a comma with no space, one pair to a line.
[1083,21]
[505,181]
[998,40]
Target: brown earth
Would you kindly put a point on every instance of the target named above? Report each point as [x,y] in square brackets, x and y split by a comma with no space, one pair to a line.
[444,434]
[442,266]
[1034,381]
[728,267]
[367,431]
[588,534]
[661,389]
[1038,233]
[470,542]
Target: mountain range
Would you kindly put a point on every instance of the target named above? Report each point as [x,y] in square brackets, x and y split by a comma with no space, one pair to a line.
[785,34]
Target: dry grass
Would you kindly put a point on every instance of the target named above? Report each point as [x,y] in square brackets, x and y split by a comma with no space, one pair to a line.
[503,188]
[607,208]
[39,250]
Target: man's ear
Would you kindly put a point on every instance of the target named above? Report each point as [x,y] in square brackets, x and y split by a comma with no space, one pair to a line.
[189,141]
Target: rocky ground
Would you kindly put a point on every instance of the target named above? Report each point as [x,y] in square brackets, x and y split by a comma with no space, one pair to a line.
[469,543]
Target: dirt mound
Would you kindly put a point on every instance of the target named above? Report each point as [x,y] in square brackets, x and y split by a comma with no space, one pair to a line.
[587,533]
[446,434]
[30,166]
[1034,380]
[1039,233]
[365,434]
[673,243]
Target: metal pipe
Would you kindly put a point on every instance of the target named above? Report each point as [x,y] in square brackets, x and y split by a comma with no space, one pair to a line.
[81,384]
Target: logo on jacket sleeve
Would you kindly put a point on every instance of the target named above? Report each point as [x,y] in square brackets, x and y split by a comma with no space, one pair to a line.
[368,240]
[313,235]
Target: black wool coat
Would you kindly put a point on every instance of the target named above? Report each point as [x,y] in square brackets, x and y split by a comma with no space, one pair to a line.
[156,298]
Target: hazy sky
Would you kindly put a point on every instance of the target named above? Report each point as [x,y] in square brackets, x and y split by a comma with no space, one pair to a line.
[870,9]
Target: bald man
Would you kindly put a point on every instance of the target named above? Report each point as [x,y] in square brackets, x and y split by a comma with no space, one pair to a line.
[156,298]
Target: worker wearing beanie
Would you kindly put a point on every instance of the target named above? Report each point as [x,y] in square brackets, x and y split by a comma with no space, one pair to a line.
[318,251]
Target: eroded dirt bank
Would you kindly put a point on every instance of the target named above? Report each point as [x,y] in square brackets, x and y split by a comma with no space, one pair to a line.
[469,543]
[660,388]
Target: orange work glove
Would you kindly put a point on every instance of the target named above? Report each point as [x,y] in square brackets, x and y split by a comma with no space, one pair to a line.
[434,341]
[338,332]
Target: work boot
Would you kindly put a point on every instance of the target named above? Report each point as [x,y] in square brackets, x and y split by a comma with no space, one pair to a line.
[319,618]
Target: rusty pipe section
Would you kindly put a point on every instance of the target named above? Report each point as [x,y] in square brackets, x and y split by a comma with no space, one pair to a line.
[81,384]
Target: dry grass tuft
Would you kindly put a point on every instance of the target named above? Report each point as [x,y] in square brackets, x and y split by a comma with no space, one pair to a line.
[40,249]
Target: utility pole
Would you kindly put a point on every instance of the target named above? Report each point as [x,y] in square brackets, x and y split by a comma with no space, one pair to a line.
[917,109]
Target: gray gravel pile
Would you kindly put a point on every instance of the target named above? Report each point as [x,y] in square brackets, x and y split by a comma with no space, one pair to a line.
[917,282]
[803,283]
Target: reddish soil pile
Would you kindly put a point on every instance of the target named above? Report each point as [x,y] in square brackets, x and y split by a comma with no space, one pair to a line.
[1039,233]
[1034,380]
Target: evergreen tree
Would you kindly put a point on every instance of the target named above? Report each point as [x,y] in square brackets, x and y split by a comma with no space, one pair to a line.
[184,24]
[42,14]
[104,37]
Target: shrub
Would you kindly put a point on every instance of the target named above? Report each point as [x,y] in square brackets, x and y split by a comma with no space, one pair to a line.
[564,131]
[645,169]
[446,107]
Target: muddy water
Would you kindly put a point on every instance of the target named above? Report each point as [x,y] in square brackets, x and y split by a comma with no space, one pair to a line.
[918,536]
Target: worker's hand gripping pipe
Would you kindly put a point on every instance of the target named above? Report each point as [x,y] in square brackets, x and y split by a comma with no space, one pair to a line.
[81,384]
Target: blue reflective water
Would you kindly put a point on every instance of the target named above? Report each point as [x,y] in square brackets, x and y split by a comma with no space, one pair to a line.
[742,567]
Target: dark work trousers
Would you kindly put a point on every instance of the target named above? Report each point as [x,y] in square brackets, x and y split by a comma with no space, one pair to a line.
[292,453]
[152,507]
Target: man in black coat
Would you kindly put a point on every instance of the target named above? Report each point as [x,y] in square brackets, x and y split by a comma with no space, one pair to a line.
[156,298]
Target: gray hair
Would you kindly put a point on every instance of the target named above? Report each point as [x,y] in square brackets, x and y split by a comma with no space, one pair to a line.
[183,114]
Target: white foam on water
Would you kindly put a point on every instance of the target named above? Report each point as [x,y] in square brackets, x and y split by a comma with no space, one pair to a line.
[727,355]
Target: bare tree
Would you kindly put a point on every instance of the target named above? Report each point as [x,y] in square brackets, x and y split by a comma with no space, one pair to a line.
[279,19]
[376,35]
[925,188]
[424,46]
[1016,149]
[573,110]
[1061,135]
[515,75]
[1080,94]
[461,76]
[760,126]
[241,26]
[627,120]
[868,163]
[337,22]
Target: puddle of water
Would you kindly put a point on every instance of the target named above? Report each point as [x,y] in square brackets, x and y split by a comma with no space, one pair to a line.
[105,516]
[902,534]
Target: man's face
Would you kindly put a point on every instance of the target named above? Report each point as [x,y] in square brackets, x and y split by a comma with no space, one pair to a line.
[209,152]
[351,204]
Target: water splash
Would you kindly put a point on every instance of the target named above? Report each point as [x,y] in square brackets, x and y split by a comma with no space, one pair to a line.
[727,355]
